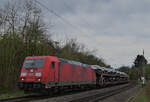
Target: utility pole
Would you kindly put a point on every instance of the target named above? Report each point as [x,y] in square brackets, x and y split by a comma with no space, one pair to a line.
[143,63]
[143,71]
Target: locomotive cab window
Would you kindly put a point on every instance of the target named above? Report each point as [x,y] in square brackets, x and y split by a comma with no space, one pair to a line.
[53,64]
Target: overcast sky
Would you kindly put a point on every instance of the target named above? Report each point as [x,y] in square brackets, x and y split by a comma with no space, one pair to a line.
[118,29]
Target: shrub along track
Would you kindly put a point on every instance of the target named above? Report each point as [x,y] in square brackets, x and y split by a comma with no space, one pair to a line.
[85,98]
[20,99]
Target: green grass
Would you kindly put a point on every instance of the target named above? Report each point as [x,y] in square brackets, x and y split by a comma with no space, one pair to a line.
[5,94]
[143,95]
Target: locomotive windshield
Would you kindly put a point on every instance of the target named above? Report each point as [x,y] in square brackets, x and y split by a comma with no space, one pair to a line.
[33,63]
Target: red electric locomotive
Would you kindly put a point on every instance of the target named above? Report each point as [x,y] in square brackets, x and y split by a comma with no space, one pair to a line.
[49,72]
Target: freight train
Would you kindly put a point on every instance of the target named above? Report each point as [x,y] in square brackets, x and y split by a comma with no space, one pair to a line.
[49,73]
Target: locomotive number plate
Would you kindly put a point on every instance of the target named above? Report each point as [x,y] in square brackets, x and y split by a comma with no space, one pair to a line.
[30,74]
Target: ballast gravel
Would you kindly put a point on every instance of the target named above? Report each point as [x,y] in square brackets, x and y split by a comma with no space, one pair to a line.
[116,98]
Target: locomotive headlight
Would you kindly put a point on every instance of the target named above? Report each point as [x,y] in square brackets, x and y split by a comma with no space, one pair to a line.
[38,74]
[39,79]
[23,74]
[22,79]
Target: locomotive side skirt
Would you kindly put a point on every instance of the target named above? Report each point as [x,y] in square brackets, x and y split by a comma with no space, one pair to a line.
[54,84]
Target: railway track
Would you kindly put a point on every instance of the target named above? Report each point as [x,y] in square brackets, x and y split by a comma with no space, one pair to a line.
[102,96]
[92,98]
[38,97]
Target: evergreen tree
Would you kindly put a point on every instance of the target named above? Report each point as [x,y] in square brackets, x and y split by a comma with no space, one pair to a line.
[140,61]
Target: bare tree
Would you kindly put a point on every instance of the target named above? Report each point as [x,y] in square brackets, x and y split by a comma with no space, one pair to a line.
[23,34]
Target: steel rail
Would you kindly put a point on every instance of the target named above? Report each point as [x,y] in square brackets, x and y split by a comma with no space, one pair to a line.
[101,96]
[91,98]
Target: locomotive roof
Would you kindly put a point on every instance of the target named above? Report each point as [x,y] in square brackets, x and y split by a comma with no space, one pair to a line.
[101,68]
[73,62]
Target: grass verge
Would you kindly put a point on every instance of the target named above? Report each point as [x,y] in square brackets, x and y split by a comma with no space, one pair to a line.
[143,95]
[5,94]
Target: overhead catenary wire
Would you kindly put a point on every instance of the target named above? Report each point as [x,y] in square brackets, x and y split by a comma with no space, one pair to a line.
[59,16]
